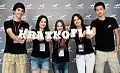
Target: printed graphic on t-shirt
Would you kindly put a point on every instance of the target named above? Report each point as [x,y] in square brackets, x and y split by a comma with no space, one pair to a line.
[109,26]
[42,47]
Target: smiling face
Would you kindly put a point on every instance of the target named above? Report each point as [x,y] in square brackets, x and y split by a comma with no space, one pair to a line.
[42,23]
[100,11]
[18,13]
[77,22]
[59,26]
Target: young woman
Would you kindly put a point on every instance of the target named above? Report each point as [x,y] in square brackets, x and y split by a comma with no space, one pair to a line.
[40,55]
[85,57]
[60,55]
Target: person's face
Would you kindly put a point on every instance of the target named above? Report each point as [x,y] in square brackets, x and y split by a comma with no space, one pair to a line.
[100,11]
[59,26]
[42,23]
[18,13]
[77,21]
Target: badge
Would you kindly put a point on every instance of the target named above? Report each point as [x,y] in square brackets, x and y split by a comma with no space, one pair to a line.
[61,53]
[42,47]
[81,47]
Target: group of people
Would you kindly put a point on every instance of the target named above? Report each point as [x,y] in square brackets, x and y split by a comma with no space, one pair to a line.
[106,48]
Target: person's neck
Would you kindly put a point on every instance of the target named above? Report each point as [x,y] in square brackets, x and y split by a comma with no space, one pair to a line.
[16,19]
[102,18]
[79,27]
[41,29]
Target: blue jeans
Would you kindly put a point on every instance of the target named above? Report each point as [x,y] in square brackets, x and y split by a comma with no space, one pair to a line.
[40,64]
[61,67]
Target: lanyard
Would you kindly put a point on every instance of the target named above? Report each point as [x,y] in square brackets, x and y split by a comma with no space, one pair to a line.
[16,28]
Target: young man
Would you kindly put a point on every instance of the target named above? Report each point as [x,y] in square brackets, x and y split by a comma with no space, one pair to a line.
[106,49]
[15,53]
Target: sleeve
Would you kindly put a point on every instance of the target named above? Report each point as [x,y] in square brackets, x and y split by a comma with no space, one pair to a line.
[27,26]
[114,24]
[6,25]
[92,24]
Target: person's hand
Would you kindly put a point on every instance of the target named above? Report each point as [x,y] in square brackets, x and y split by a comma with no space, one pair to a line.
[116,50]
[56,40]
[29,40]
[48,40]
[62,44]
[88,36]
[21,40]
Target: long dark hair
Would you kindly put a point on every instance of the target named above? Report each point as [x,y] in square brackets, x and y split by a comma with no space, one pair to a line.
[72,26]
[63,25]
[62,22]
[38,21]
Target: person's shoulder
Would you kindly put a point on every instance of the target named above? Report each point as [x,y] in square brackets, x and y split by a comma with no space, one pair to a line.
[24,22]
[94,21]
[8,21]
[110,18]
[33,30]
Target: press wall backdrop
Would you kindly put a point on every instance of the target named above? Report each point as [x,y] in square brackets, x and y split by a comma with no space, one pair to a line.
[54,10]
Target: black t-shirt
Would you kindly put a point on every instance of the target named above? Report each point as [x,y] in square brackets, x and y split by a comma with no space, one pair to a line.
[40,48]
[83,45]
[104,33]
[11,47]
[56,52]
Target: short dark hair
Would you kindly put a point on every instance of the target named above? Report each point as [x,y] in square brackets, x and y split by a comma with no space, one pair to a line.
[72,26]
[38,21]
[19,5]
[99,4]
[62,22]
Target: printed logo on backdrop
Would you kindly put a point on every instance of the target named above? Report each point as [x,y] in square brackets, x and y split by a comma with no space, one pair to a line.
[24,17]
[9,17]
[2,6]
[67,27]
[67,6]
[107,6]
[55,6]
[42,6]
[114,16]
[91,6]
[50,17]
[35,17]
[116,6]
[1,41]
[29,6]
[81,6]
[62,17]
[1,28]
[12,6]
[1,50]
[88,17]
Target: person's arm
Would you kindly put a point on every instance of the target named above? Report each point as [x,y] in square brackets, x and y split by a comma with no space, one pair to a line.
[12,35]
[115,30]
[90,36]
[8,30]
[117,40]
[93,29]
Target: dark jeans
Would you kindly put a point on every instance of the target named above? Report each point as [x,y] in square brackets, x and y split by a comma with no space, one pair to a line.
[61,67]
